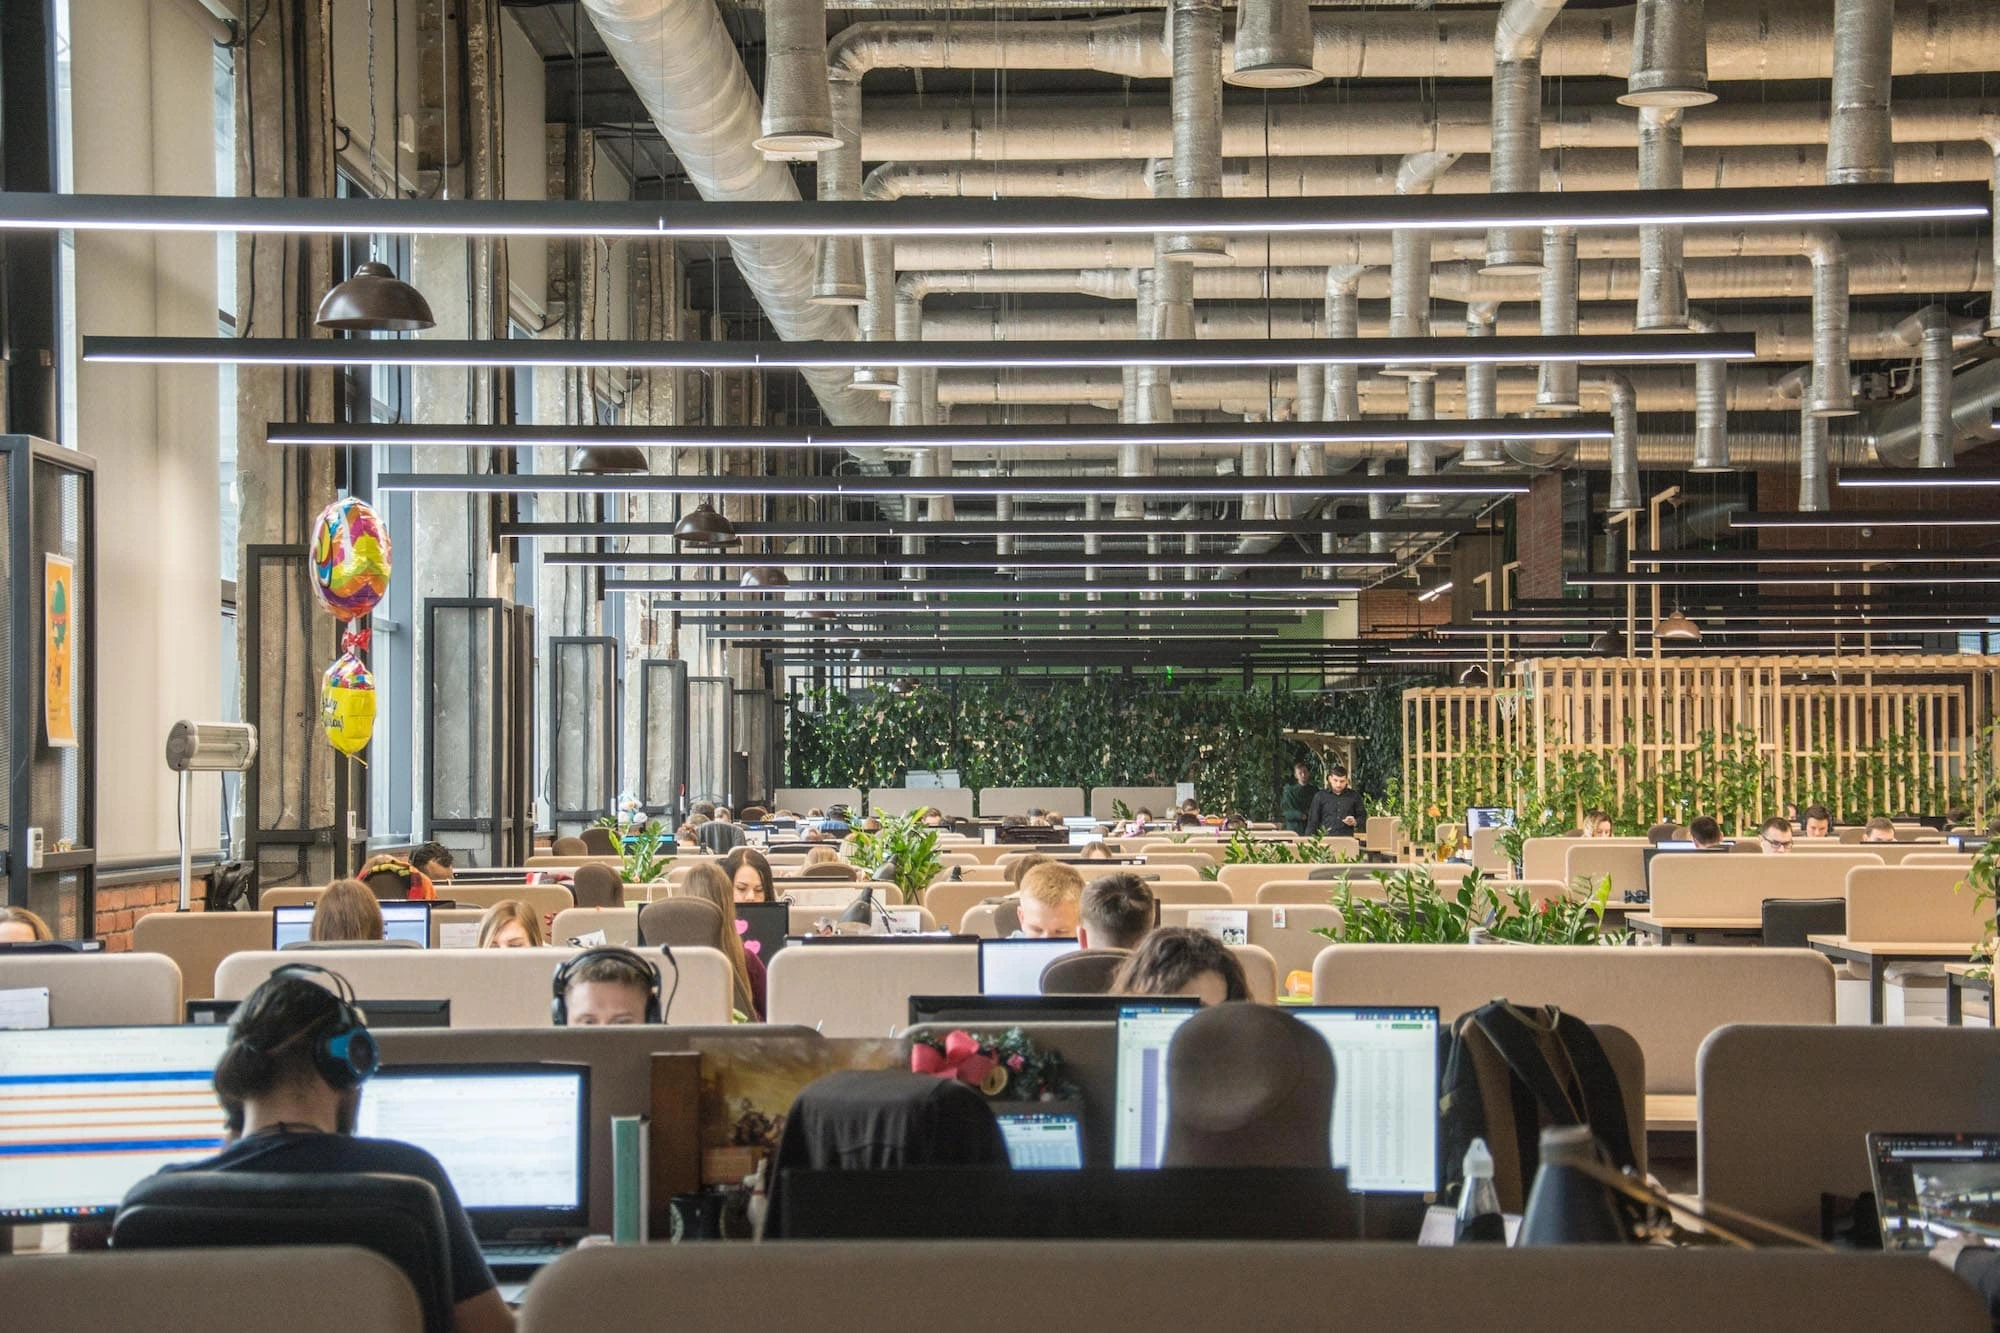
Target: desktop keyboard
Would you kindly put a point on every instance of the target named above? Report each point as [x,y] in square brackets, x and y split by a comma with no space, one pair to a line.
[521,1254]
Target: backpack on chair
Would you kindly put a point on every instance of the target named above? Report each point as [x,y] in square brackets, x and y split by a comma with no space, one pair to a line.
[1511,1071]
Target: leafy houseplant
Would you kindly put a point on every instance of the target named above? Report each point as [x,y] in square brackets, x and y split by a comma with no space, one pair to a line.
[1414,910]
[1984,878]
[639,846]
[1242,849]
[905,842]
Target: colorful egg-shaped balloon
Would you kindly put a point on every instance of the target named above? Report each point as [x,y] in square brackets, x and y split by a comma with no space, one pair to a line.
[347,704]
[350,554]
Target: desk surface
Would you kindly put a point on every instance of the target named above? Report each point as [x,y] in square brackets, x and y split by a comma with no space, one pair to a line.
[1961,974]
[1650,922]
[1670,1112]
[1891,948]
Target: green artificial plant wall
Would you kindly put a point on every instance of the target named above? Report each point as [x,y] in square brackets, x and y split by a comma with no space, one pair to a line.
[1139,731]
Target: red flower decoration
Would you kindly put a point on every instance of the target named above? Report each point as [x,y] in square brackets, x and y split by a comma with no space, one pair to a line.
[962,1058]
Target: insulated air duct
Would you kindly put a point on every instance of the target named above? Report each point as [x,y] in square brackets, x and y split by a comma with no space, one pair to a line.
[1482,381]
[1274,45]
[1662,254]
[1930,330]
[1832,391]
[1711,404]
[1194,36]
[1858,144]
[1813,498]
[838,276]
[1669,55]
[1517,124]
[1557,388]
[1624,444]
[797,115]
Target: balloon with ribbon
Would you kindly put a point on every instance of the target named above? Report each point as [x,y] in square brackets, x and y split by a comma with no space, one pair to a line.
[347,697]
[350,558]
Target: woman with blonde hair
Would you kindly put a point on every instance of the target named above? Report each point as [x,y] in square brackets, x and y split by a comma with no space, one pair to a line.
[708,881]
[511,924]
[347,911]
[20,926]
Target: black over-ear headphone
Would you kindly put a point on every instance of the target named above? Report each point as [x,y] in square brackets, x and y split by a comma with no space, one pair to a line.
[644,973]
[343,1051]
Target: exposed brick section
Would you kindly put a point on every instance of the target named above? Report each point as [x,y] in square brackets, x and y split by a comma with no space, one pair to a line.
[1538,517]
[118,908]
[1395,613]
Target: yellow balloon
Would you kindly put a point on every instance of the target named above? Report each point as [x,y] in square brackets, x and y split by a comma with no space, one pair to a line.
[347,705]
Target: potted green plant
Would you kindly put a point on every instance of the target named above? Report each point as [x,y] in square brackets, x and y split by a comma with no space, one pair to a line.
[907,845]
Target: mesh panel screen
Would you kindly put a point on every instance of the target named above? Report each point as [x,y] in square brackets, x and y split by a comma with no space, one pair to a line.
[582,726]
[459,663]
[709,738]
[664,684]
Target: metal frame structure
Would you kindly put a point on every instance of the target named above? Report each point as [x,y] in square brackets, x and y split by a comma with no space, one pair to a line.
[698,776]
[602,703]
[674,672]
[504,827]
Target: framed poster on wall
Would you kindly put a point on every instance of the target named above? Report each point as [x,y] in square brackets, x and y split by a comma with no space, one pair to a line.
[59,622]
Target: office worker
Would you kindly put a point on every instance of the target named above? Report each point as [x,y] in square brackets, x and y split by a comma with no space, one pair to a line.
[710,883]
[1878,829]
[290,1082]
[1337,810]
[1050,894]
[20,926]
[1116,912]
[1775,838]
[1177,960]
[1705,833]
[511,924]
[1819,822]
[432,860]
[606,987]
[750,875]
[1296,797]
[348,910]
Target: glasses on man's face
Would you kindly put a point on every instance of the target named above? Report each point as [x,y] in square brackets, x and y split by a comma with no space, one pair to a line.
[1778,844]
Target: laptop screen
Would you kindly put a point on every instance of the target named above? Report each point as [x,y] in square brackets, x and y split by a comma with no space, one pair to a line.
[1483,816]
[1139,1134]
[1933,1187]
[1043,1142]
[512,1137]
[400,921]
[1014,967]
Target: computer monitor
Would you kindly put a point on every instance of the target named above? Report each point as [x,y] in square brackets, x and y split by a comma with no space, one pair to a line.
[1014,967]
[1043,1142]
[1965,842]
[514,1138]
[1139,1133]
[379,1013]
[766,925]
[1935,1187]
[1031,1008]
[1083,837]
[1385,1097]
[86,1113]
[1487,816]
[401,920]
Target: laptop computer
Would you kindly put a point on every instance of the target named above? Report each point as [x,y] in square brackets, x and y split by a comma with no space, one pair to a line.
[1014,967]
[1934,1187]
[765,925]
[514,1138]
[1042,1141]
[401,920]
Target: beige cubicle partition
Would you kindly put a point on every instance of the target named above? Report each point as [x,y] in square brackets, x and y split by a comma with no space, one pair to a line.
[863,990]
[1703,884]
[798,800]
[1003,801]
[1914,904]
[619,924]
[951,802]
[263,1289]
[1157,799]
[1285,932]
[99,989]
[1548,858]
[488,988]
[548,899]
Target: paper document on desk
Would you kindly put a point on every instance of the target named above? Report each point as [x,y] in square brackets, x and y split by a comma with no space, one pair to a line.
[1231,925]
[458,934]
[24,1007]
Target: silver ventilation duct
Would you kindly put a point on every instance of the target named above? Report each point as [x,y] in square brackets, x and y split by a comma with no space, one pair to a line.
[1711,404]
[1422,454]
[797,116]
[838,277]
[680,61]
[1274,45]
[1832,392]
[1481,385]
[1410,260]
[878,310]
[1989,132]
[1930,331]
[1858,136]
[1662,254]
[1194,37]
[1624,444]
[1813,497]
[1669,55]
[1974,399]
[1343,320]
[1517,124]
[1557,390]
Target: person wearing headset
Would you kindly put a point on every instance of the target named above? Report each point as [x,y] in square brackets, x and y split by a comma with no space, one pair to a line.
[608,987]
[290,1085]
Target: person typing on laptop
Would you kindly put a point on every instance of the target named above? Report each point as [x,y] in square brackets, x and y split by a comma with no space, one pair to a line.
[290,1083]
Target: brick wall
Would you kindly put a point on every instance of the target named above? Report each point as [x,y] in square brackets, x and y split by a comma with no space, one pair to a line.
[1539,538]
[119,907]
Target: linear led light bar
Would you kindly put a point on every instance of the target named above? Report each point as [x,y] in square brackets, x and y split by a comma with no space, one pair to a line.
[842,609]
[1037,560]
[1941,478]
[1184,353]
[973,529]
[1711,630]
[1881,518]
[1815,557]
[1179,487]
[1584,209]
[836,640]
[1301,587]
[1375,431]
[1669,580]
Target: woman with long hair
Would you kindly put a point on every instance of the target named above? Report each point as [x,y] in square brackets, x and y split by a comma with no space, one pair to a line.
[708,881]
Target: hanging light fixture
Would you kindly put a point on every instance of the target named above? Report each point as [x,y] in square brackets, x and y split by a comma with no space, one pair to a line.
[764,576]
[375,300]
[703,526]
[1676,625]
[1611,643]
[608,460]
[1475,676]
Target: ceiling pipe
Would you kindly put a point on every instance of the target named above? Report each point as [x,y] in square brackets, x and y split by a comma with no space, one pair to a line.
[838,277]
[1273,46]
[1481,388]
[1410,259]
[1624,444]
[1421,459]
[1858,133]
[797,116]
[1194,37]
[679,58]
[878,311]
[1832,392]
[1669,55]
[1813,496]
[1663,294]
[1711,405]
[1930,330]
[1557,385]
[1148,391]
[1517,124]
[1989,133]
[1974,399]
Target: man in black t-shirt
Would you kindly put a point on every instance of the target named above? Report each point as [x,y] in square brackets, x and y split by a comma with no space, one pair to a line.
[290,1081]
[1338,810]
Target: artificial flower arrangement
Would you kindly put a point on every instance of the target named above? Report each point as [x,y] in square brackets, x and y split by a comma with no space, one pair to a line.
[1009,1067]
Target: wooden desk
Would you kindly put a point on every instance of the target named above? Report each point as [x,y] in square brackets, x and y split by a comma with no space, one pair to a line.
[1877,955]
[1698,929]
[1958,979]
[1670,1112]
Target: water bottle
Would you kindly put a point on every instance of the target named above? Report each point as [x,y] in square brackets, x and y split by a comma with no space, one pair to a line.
[1479,1220]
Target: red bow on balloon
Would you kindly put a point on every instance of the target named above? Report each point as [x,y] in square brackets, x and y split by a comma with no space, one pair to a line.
[962,1058]
[354,641]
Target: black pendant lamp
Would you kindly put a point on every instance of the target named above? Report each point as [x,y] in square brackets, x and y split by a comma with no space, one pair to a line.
[764,576]
[375,300]
[703,526]
[1611,643]
[1475,675]
[608,460]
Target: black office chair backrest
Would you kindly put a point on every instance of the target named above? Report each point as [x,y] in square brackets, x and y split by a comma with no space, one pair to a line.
[398,1217]
[599,842]
[1787,921]
[1085,972]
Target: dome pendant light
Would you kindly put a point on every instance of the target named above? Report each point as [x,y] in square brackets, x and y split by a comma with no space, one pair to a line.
[764,576]
[1611,643]
[375,300]
[606,460]
[1475,676]
[703,526]
[1678,627]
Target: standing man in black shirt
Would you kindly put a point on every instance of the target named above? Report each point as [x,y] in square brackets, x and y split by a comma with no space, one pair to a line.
[1337,810]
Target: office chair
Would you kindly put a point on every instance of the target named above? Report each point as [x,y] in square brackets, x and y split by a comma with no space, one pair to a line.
[569,847]
[1248,1085]
[682,923]
[1007,918]
[397,1217]
[596,885]
[1085,972]
[1787,921]
[839,870]
[599,842]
